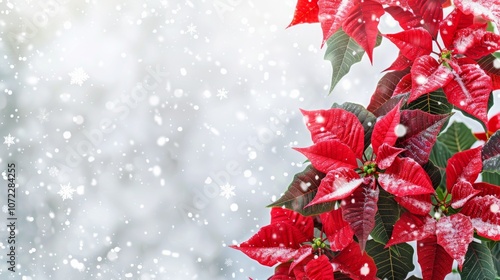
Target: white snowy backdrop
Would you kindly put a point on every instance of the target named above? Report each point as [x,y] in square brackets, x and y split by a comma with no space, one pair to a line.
[150,135]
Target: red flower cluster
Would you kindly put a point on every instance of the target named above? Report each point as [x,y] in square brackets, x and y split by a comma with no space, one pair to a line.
[390,174]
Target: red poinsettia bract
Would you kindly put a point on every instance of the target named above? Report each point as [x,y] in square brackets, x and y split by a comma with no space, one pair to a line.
[353,179]
[448,237]
[289,242]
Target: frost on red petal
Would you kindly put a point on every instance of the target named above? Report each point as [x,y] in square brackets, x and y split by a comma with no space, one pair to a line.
[362,25]
[306,11]
[405,18]
[283,215]
[428,75]
[338,231]
[412,43]
[329,155]
[487,189]
[433,259]
[431,13]
[469,90]
[332,13]
[416,204]
[475,43]
[337,184]
[456,20]
[462,192]
[454,233]
[274,244]
[386,155]
[463,166]
[319,268]
[410,227]
[488,9]
[355,263]
[484,212]
[405,177]
[336,124]
[359,211]
[384,130]
[399,3]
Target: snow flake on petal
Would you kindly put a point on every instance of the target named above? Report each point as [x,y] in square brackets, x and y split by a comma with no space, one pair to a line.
[494,208]
[365,270]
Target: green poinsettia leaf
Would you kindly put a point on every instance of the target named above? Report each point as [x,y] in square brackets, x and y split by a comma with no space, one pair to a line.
[491,177]
[342,51]
[388,214]
[457,138]
[301,191]
[433,103]
[390,265]
[478,263]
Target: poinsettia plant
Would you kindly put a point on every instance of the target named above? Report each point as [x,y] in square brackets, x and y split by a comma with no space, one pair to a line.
[397,171]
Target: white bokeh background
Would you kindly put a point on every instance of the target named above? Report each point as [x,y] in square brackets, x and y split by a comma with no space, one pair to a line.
[147,165]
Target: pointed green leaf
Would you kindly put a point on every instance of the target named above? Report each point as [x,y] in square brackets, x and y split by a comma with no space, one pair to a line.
[434,103]
[457,138]
[478,263]
[391,265]
[343,52]
[440,155]
[495,254]
[491,177]
[434,173]
[301,191]
[387,215]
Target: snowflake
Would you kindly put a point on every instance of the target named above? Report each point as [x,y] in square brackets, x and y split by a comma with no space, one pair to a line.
[53,171]
[78,76]
[191,29]
[222,93]
[9,140]
[43,116]
[228,262]
[227,191]
[66,192]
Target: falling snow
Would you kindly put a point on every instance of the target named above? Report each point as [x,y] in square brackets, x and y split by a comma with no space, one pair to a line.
[43,115]
[222,93]
[228,262]
[136,103]
[53,171]
[66,192]
[227,191]
[9,140]
[78,76]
